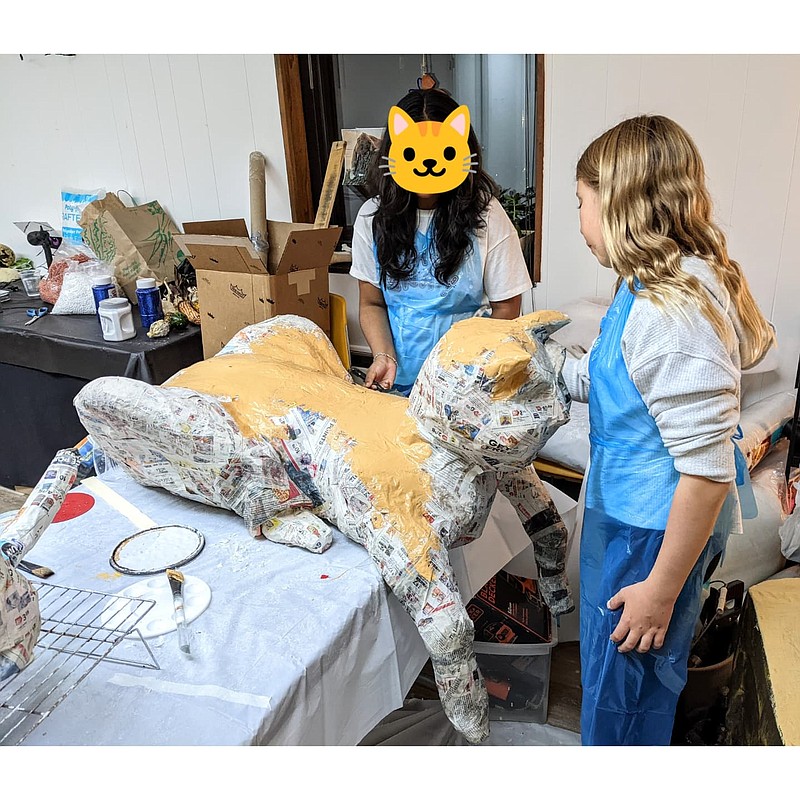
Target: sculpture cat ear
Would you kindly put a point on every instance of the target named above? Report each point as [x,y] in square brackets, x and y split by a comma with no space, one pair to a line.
[542,324]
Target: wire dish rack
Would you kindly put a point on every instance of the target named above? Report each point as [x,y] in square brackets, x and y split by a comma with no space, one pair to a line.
[80,628]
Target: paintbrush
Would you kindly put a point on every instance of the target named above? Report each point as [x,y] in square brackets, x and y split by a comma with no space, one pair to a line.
[176,581]
[35,569]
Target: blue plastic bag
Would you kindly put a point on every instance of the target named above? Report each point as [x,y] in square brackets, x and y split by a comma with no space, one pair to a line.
[73,201]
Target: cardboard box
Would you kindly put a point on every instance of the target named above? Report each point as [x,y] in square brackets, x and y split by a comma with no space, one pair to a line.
[236,288]
[510,610]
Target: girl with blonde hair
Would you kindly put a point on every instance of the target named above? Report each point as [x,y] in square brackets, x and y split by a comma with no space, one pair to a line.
[663,385]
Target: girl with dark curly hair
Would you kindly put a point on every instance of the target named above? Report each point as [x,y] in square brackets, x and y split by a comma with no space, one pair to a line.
[427,258]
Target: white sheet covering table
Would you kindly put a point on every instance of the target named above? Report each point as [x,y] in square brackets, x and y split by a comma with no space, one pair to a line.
[294,648]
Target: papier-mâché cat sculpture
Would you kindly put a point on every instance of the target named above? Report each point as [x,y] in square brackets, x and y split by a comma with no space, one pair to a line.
[274,429]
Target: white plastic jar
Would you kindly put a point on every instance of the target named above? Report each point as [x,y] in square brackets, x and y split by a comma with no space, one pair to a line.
[116,319]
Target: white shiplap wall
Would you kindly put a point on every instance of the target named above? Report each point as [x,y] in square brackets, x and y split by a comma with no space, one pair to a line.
[174,128]
[744,113]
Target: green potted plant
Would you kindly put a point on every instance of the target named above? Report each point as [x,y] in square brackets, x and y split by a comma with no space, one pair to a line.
[521,210]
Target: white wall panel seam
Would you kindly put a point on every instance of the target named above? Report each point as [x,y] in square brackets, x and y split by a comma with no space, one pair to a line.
[208,134]
[133,129]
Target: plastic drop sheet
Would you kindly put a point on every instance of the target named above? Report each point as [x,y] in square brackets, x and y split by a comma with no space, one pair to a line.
[294,649]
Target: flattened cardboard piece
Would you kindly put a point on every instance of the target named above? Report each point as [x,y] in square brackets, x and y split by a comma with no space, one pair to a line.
[222,253]
[295,245]
[218,227]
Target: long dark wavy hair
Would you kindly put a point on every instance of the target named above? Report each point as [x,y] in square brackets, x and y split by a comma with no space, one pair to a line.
[457,213]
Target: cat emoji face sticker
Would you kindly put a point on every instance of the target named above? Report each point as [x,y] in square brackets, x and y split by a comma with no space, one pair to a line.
[429,157]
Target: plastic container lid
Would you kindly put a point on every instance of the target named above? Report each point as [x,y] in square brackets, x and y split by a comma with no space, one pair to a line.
[113,302]
[102,280]
[145,283]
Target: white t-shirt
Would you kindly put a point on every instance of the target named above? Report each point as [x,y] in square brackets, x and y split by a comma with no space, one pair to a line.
[505,274]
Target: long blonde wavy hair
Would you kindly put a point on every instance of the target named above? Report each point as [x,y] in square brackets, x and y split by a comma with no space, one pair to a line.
[654,210]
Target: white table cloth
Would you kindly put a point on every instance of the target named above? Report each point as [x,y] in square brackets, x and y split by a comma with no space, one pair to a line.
[294,648]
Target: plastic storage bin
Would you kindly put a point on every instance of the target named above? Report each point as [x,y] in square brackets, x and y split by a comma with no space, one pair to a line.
[514,639]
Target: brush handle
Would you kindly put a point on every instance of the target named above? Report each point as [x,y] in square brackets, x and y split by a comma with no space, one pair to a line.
[34,569]
[180,624]
[183,637]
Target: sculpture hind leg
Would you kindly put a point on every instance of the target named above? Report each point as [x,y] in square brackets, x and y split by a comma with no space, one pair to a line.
[548,534]
[290,338]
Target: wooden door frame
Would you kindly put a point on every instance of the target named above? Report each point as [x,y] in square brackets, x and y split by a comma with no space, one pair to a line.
[536,277]
[295,145]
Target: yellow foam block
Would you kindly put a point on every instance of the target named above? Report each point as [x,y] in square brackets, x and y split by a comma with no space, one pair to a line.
[777,607]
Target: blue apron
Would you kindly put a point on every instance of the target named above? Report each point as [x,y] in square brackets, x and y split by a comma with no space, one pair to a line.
[630,698]
[421,310]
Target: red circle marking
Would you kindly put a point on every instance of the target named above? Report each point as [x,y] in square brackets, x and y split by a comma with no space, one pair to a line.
[75,504]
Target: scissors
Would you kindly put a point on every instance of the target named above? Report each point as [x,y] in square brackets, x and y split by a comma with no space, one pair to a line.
[362,376]
[35,313]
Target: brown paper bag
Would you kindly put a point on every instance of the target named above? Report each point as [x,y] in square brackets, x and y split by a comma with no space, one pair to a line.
[138,241]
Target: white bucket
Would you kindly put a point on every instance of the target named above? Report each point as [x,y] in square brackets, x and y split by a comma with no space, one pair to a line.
[116,319]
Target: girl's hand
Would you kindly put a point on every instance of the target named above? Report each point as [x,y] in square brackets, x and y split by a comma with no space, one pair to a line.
[381,373]
[645,617]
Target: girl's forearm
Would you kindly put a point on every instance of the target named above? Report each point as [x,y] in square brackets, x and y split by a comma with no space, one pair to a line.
[375,327]
[695,507]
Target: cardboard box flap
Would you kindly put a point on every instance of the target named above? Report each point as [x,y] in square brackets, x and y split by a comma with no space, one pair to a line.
[222,253]
[295,245]
[218,227]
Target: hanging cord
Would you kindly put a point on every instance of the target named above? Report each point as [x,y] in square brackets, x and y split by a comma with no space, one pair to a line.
[427,79]
[531,191]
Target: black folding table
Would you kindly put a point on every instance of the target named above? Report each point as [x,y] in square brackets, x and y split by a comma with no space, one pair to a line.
[45,364]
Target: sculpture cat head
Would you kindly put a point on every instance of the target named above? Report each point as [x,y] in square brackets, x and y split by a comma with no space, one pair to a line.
[491,390]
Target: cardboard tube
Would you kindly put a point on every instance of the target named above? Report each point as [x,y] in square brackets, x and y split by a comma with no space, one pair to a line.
[258,200]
